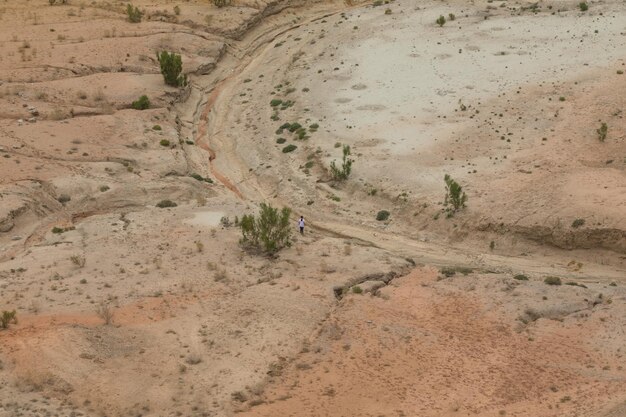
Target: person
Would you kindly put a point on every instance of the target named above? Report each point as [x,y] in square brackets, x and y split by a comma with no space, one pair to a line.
[301,224]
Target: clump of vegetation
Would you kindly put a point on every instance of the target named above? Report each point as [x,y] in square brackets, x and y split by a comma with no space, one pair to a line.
[143,103]
[157,127]
[221,3]
[281,140]
[387,10]
[520,277]
[604,129]
[166,204]
[455,196]
[134,14]
[171,68]
[177,10]
[276,102]
[199,177]
[583,6]
[441,21]
[449,271]
[552,280]
[78,260]
[58,230]
[269,232]
[357,290]
[451,17]
[64,198]
[104,188]
[578,223]
[164,142]
[7,318]
[289,148]
[342,174]
[105,312]
[382,215]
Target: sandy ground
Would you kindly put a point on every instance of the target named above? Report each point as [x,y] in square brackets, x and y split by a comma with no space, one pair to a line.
[357,317]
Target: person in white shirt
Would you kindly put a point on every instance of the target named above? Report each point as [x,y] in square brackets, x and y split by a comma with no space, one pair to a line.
[301,224]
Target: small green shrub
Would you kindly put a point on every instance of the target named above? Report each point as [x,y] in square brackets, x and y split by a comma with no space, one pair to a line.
[455,196]
[602,132]
[177,10]
[382,215]
[171,68]
[289,148]
[441,21]
[276,102]
[561,98]
[294,126]
[357,290]
[377,3]
[221,3]
[451,17]
[620,72]
[199,177]
[64,198]
[521,277]
[164,142]
[7,318]
[142,103]
[551,280]
[342,174]
[157,127]
[388,11]
[57,230]
[578,223]
[583,6]
[134,14]
[269,232]
[166,204]
[104,188]
[281,140]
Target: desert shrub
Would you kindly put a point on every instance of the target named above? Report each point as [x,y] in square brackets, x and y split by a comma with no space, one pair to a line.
[64,198]
[105,312]
[575,284]
[602,131]
[166,204]
[7,318]
[269,232]
[382,215]
[78,260]
[201,178]
[577,223]
[221,3]
[54,1]
[451,17]
[294,126]
[142,103]
[388,11]
[357,290]
[276,102]
[281,140]
[157,127]
[57,230]
[583,6]
[377,3]
[551,280]
[521,277]
[171,67]
[441,21]
[177,10]
[455,196]
[104,188]
[289,148]
[342,174]
[134,14]
[164,142]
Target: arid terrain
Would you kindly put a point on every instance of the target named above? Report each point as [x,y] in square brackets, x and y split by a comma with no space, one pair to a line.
[388,305]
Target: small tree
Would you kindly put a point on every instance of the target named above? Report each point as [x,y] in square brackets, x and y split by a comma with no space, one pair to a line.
[269,232]
[602,132]
[583,6]
[7,318]
[142,103]
[105,312]
[134,14]
[171,67]
[441,21]
[342,174]
[455,196]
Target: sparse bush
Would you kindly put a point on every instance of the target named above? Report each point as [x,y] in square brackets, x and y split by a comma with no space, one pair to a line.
[451,17]
[7,318]
[104,188]
[177,10]
[164,142]
[346,166]
[441,21]
[388,10]
[221,3]
[455,196]
[78,260]
[105,312]
[57,230]
[276,102]
[382,215]
[157,127]
[64,198]
[521,277]
[578,223]
[199,177]
[583,6]
[134,14]
[357,290]
[551,280]
[171,67]
[166,204]
[193,359]
[280,141]
[289,148]
[268,232]
[142,103]
[602,132]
